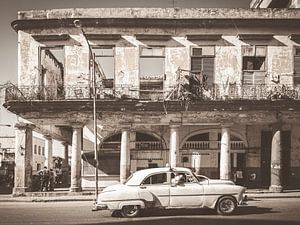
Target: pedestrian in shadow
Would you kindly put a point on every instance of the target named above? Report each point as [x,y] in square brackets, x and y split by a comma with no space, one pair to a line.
[44,178]
[51,180]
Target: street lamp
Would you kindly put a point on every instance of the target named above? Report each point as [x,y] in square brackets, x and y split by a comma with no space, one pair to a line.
[77,23]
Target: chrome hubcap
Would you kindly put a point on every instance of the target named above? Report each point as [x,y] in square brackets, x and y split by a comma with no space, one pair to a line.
[227,205]
[131,209]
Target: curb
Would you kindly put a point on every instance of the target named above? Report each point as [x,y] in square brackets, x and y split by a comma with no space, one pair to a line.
[250,197]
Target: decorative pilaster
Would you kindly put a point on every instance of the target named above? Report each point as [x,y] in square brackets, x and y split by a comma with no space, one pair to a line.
[23,159]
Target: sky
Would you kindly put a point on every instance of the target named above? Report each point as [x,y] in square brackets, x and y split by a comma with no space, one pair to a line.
[8,37]
[9,9]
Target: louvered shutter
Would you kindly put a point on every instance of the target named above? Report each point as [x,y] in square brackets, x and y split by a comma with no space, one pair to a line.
[208,69]
[297,70]
[196,64]
[248,78]
[259,77]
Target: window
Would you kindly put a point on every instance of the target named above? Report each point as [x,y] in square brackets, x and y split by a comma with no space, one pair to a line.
[202,62]
[38,167]
[51,67]
[254,64]
[35,150]
[104,57]
[156,179]
[43,150]
[186,177]
[297,66]
[152,63]
[39,151]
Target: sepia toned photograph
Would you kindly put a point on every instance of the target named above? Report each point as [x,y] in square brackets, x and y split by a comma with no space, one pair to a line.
[137,112]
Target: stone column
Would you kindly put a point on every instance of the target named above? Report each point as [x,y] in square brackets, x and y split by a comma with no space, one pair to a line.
[65,164]
[225,167]
[23,159]
[196,160]
[132,140]
[125,155]
[76,159]
[174,144]
[49,151]
[276,165]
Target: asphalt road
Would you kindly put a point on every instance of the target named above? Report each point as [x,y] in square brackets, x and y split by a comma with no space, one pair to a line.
[263,211]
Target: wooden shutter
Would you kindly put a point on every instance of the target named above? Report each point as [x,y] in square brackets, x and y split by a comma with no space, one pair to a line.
[248,78]
[259,77]
[297,69]
[208,69]
[196,64]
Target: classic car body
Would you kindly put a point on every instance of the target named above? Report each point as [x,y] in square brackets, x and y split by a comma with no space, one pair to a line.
[169,188]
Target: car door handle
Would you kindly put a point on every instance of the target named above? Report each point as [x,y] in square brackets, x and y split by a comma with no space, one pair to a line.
[143,187]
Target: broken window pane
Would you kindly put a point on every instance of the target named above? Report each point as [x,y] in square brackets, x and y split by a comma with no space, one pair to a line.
[51,68]
[152,63]
[202,63]
[104,56]
[253,63]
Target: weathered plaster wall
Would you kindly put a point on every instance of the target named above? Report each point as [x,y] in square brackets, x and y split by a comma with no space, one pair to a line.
[77,62]
[280,62]
[228,65]
[127,68]
[175,57]
[28,61]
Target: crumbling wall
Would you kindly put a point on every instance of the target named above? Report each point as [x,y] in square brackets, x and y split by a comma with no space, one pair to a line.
[280,64]
[127,70]
[28,60]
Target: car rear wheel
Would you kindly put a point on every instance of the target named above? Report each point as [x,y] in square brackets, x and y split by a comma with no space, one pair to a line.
[130,211]
[226,205]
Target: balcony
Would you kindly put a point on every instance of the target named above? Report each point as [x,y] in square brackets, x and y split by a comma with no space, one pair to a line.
[214,92]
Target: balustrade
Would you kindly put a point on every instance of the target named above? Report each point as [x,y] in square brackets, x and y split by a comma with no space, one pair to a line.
[214,92]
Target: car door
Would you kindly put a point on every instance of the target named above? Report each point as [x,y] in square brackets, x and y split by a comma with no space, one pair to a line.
[159,186]
[189,193]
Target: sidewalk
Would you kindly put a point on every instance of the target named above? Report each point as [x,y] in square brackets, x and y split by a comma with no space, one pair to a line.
[64,195]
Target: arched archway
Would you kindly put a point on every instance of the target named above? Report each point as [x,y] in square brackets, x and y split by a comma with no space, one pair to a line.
[146,150]
[200,150]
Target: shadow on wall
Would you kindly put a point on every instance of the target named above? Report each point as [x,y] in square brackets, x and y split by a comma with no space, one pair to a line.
[108,163]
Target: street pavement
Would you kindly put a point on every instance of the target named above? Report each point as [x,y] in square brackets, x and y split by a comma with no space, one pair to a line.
[269,211]
[64,195]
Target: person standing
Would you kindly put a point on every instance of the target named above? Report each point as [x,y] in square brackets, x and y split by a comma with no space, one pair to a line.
[51,179]
[44,178]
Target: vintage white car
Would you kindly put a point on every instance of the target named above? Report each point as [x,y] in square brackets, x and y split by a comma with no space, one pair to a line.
[169,188]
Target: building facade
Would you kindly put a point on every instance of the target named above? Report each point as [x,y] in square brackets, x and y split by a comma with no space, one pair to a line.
[7,159]
[216,90]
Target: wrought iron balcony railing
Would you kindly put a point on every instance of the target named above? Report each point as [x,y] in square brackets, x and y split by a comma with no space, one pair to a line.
[213,92]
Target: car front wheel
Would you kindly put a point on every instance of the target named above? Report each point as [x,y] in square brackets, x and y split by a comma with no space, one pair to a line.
[130,211]
[226,205]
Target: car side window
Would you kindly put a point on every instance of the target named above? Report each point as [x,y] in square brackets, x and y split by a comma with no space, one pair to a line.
[159,178]
[187,177]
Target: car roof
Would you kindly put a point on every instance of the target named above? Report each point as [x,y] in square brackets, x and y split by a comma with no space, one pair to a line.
[138,176]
